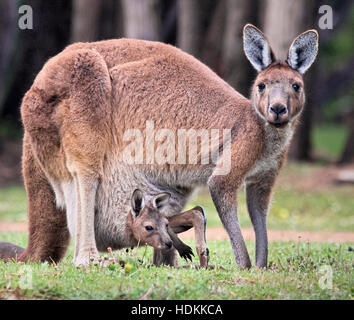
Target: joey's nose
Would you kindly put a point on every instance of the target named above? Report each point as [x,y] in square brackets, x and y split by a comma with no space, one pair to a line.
[168,244]
[278,109]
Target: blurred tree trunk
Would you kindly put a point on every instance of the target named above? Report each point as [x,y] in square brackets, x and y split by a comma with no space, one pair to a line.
[236,69]
[189,19]
[348,151]
[110,20]
[283,21]
[169,12]
[85,18]
[50,34]
[141,19]
[212,49]
[8,28]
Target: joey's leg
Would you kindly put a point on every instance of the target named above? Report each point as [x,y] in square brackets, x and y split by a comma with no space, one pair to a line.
[258,194]
[48,231]
[85,243]
[193,218]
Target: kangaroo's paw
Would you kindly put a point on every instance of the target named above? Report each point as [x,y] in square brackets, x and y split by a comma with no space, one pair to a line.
[186,252]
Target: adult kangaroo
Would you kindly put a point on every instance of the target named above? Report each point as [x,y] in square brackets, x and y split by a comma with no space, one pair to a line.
[85,100]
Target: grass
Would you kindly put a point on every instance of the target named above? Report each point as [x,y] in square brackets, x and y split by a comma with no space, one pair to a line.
[294,273]
[13,206]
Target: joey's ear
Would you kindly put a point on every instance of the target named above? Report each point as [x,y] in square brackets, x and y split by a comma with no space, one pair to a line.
[161,200]
[137,201]
[257,48]
[303,51]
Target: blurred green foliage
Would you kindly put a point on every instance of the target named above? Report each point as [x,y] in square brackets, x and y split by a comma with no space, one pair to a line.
[335,54]
[328,140]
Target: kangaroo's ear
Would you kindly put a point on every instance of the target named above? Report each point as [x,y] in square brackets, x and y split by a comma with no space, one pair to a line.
[303,51]
[161,200]
[257,48]
[137,201]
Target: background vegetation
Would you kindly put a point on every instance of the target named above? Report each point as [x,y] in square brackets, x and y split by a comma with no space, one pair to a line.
[210,30]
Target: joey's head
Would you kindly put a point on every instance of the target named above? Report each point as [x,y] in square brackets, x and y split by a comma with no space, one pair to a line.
[148,224]
[278,91]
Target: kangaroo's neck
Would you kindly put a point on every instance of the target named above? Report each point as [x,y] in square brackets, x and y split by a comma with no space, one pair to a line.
[277,140]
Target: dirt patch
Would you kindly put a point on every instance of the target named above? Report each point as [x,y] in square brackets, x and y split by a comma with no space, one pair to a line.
[220,234]
[13,226]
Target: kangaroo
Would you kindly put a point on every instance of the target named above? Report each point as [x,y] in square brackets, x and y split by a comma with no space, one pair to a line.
[146,225]
[86,101]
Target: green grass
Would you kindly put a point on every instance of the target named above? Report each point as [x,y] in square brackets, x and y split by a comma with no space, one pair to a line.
[13,206]
[294,273]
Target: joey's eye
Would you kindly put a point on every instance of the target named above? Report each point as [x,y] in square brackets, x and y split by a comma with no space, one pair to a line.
[167,225]
[261,87]
[296,87]
[149,228]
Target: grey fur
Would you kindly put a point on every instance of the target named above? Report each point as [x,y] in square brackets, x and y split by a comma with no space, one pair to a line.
[256,48]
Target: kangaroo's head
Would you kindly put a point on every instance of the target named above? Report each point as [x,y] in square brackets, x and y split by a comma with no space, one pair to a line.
[148,224]
[278,91]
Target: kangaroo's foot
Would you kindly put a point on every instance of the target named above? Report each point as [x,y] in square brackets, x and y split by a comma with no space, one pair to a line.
[86,257]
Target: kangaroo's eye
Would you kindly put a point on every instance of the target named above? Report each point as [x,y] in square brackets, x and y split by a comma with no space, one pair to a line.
[149,228]
[166,225]
[261,87]
[296,87]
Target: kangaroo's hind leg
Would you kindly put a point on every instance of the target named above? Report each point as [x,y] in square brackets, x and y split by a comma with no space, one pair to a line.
[48,232]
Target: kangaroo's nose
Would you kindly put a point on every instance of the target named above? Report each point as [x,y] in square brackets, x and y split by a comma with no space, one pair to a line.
[168,244]
[278,109]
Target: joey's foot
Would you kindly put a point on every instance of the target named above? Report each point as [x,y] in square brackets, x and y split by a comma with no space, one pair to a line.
[186,252]
[204,258]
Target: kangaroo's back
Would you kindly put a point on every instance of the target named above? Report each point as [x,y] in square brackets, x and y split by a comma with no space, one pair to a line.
[148,79]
